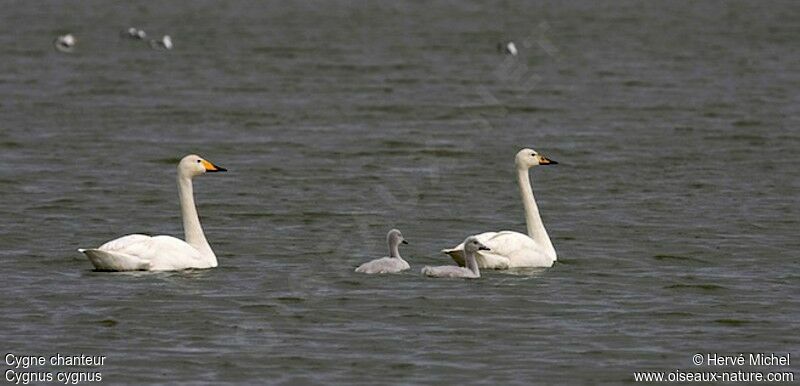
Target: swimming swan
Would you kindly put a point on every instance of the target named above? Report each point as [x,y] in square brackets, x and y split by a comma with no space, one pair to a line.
[507,47]
[471,246]
[163,253]
[65,43]
[511,249]
[392,264]
[164,44]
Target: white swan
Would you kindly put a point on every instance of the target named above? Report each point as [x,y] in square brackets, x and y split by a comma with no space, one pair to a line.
[471,247]
[392,264]
[163,253]
[508,47]
[511,249]
[65,43]
[164,44]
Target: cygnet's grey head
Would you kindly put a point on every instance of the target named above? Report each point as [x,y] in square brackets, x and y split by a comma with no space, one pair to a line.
[472,245]
[394,238]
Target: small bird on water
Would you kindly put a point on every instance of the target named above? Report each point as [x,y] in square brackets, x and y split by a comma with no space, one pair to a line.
[164,44]
[133,33]
[65,43]
[508,48]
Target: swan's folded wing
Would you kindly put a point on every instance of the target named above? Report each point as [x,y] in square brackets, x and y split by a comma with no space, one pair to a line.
[507,243]
[518,248]
[123,242]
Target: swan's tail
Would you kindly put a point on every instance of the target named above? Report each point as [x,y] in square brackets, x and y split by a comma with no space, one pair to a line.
[114,261]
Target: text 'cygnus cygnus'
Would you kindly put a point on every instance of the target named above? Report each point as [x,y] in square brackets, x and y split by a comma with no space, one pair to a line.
[392,264]
[511,249]
[163,253]
[471,246]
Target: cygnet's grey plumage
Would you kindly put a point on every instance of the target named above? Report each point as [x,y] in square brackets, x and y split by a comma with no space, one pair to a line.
[471,245]
[392,264]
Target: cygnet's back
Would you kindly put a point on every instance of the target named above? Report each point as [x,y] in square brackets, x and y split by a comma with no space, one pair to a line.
[449,271]
[392,264]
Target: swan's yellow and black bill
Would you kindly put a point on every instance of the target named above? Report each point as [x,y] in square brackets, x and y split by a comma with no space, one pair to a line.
[547,161]
[484,248]
[213,168]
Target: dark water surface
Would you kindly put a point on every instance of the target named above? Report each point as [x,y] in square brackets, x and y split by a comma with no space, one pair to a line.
[675,208]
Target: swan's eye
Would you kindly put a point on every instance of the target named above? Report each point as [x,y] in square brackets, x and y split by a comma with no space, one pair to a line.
[533,154]
[199,161]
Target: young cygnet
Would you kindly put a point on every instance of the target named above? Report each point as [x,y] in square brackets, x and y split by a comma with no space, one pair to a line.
[471,245]
[392,264]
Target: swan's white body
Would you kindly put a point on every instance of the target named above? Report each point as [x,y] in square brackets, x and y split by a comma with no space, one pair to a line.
[470,247]
[511,249]
[392,264]
[163,253]
[147,253]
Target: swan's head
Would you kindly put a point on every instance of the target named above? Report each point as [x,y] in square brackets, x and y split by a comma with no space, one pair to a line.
[193,165]
[528,158]
[394,237]
[472,245]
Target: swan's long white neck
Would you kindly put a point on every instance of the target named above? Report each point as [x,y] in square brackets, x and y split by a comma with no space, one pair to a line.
[532,218]
[191,221]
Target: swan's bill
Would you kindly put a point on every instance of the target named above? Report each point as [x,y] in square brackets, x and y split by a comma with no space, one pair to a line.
[404,241]
[546,161]
[212,168]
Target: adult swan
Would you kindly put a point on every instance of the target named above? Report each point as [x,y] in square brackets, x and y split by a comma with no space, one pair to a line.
[510,249]
[163,253]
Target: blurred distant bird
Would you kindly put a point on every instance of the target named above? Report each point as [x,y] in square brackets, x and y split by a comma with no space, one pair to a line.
[133,33]
[65,43]
[164,44]
[508,48]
